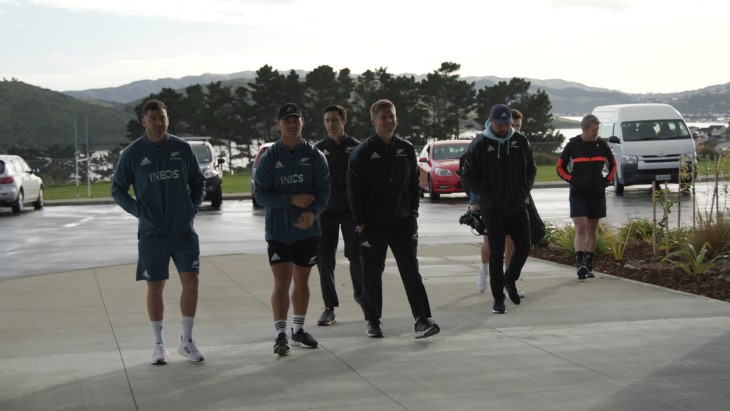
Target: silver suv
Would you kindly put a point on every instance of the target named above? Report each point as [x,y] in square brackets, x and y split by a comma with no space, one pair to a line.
[211,167]
[19,184]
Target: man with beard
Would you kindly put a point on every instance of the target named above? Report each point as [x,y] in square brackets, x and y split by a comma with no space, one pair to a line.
[501,170]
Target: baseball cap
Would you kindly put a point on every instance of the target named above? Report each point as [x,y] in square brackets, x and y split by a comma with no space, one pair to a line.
[289,109]
[500,114]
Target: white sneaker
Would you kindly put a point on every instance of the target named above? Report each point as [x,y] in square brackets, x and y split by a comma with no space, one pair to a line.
[482,280]
[159,355]
[521,293]
[189,350]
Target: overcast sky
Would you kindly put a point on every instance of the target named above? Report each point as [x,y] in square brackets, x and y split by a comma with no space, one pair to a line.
[636,46]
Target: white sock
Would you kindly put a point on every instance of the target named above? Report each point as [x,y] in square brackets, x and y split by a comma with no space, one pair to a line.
[298,323]
[187,323]
[279,327]
[485,267]
[157,332]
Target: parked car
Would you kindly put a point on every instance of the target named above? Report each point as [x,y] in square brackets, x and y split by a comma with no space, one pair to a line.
[212,169]
[256,161]
[438,163]
[19,184]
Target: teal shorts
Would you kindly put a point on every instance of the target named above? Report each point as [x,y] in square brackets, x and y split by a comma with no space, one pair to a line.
[155,253]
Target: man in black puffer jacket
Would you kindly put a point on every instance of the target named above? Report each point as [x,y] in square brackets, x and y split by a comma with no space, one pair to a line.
[581,164]
[501,169]
[382,188]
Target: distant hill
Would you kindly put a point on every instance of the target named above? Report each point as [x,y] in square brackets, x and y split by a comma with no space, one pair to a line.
[568,98]
[33,117]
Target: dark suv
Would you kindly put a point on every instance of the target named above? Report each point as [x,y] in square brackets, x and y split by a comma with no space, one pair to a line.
[212,169]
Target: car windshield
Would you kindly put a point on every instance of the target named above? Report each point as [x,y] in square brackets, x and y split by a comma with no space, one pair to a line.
[449,151]
[654,130]
[2,167]
[202,153]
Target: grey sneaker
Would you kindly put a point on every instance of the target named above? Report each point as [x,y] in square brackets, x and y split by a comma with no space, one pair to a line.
[190,351]
[521,293]
[159,355]
[374,330]
[281,345]
[327,317]
[303,339]
[426,328]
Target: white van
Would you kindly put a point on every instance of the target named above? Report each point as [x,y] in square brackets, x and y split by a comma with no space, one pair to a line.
[648,141]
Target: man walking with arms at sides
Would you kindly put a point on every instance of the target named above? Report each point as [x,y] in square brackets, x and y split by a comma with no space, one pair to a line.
[337,147]
[382,188]
[501,169]
[581,164]
[169,188]
[293,183]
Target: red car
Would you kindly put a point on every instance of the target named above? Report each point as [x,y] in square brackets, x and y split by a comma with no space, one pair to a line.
[439,161]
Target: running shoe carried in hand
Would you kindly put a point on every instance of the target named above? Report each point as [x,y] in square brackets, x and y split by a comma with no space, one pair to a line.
[426,328]
[303,339]
[327,317]
[190,351]
[159,355]
[281,345]
[482,279]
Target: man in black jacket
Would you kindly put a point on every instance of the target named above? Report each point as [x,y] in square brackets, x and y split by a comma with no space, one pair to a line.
[581,164]
[501,169]
[337,147]
[382,188]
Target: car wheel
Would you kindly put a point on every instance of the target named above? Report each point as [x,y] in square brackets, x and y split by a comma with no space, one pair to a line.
[434,195]
[618,188]
[18,204]
[217,199]
[39,203]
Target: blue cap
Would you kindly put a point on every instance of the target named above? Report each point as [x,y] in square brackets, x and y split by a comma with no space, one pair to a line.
[500,114]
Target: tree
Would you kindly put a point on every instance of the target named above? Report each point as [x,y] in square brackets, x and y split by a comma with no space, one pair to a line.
[448,101]
[500,93]
[268,93]
[173,101]
[322,88]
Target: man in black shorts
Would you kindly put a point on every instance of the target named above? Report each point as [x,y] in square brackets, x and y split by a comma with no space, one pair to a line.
[582,164]
[293,183]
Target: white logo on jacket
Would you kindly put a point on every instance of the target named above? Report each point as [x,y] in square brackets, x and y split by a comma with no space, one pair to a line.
[145,161]
[278,165]
[374,156]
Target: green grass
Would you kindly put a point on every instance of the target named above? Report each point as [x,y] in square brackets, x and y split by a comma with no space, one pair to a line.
[238,183]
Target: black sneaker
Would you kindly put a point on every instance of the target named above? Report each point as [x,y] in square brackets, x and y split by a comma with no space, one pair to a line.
[327,317]
[281,345]
[499,307]
[303,339]
[582,273]
[426,328]
[374,330]
[510,291]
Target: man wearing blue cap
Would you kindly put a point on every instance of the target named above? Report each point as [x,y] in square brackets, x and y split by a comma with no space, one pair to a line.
[501,169]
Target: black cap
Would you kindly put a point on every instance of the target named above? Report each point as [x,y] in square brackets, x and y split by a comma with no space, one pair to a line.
[289,109]
[500,114]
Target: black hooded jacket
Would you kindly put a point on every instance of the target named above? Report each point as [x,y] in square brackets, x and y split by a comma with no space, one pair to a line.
[502,172]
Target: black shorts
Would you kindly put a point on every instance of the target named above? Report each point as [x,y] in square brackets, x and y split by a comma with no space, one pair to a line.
[302,253]
[593,208]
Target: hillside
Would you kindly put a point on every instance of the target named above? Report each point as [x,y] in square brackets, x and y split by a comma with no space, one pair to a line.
[33,117]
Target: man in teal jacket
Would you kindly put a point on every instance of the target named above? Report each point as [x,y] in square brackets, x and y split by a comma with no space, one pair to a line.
[169,187]
[293,183]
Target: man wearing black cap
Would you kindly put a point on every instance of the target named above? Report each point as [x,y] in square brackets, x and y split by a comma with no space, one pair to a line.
[501,169]
[293,183]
